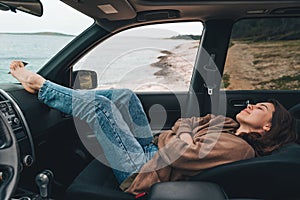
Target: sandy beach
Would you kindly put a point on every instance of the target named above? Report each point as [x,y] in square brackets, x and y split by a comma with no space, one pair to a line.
[175,67]
[249,66]
[263,65]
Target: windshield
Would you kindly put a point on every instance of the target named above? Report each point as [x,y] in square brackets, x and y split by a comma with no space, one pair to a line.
[36,40]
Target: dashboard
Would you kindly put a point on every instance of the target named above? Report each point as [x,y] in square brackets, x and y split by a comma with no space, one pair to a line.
[46,138]
[15,118]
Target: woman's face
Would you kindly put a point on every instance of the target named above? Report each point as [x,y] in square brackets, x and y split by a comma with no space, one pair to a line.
[256,118]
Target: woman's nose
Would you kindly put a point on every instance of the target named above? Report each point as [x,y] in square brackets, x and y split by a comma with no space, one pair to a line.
[250,106]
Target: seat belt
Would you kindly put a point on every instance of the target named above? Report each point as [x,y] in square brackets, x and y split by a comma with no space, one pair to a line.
[211,75]
[211,78]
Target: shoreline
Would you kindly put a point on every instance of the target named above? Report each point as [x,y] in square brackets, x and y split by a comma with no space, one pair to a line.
[252,66]
[176,65]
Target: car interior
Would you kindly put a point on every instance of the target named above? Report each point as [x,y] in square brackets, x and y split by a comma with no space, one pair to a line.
[42,156]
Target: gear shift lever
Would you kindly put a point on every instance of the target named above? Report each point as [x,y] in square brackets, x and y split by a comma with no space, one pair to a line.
[43,181]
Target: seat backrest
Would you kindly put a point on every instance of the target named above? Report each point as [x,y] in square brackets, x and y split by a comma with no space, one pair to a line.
[295,111]
[276,176]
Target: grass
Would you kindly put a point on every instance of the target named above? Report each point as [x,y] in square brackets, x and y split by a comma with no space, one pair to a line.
[275,65]
[226,80]
[283,83]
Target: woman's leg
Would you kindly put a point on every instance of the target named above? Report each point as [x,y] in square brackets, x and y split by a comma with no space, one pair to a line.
[125,100]
[132,111]
[121,149]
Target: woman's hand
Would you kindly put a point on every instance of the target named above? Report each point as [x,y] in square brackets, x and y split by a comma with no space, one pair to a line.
[186,137]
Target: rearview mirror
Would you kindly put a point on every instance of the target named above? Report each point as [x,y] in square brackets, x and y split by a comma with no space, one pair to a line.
[33,7]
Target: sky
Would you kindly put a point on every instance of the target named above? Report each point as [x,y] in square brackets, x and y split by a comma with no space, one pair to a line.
[61,18]
[57,17]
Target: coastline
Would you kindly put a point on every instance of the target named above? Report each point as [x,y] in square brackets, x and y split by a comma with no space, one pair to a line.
[40,33]
[249,66]
[176,66]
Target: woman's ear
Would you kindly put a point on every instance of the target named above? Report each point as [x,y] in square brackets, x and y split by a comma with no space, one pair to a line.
[267,127]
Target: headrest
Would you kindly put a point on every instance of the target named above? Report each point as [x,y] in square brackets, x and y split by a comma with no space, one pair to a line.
[295,112]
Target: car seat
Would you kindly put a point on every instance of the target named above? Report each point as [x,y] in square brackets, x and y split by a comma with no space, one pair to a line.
[97,182]
[276,176]
[295,111]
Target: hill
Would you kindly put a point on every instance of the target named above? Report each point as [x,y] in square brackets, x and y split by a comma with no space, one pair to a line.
[41,33]
[267,29]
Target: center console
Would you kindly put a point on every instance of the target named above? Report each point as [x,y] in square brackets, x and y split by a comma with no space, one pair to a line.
[44,181]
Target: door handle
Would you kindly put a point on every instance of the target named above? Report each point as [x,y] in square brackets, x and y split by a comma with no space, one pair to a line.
[240,103]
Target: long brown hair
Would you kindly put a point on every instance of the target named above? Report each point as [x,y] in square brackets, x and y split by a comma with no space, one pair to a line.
[282,132]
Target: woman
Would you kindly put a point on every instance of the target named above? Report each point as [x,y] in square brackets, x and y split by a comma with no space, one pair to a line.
[191,146]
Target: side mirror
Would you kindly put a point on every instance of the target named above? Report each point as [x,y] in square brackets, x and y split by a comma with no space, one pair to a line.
[85,79]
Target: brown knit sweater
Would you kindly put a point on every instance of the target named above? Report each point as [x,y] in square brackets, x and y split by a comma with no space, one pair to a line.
[213,144]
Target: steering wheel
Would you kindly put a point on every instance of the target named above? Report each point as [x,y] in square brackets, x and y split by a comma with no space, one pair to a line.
[9,159]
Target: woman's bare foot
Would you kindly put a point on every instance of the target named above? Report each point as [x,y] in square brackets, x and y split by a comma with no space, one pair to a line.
[31,82]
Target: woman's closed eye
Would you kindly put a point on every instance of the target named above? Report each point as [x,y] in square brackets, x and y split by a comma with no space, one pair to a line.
[262,107]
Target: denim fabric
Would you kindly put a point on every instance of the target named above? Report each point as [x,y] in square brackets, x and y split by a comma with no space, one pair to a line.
[117,119]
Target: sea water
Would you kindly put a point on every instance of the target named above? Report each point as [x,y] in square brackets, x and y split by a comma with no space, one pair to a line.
[112,57]
[34,49]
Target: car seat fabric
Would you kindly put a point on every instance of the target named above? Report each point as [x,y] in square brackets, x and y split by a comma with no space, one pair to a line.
[179,190]
[295,111]
[276,176]
[95,182]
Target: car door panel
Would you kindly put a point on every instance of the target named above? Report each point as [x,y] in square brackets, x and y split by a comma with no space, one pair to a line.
[163,109]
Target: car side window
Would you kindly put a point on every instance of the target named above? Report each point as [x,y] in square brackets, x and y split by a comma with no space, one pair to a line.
[264,54]
[149,58]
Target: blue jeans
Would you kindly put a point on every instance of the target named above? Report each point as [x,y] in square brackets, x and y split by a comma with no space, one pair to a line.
[117,119]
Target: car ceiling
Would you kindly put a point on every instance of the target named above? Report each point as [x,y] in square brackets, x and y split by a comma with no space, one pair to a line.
[113,10]
[114,15]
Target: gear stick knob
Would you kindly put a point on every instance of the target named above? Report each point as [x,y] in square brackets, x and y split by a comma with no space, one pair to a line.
[43,181]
